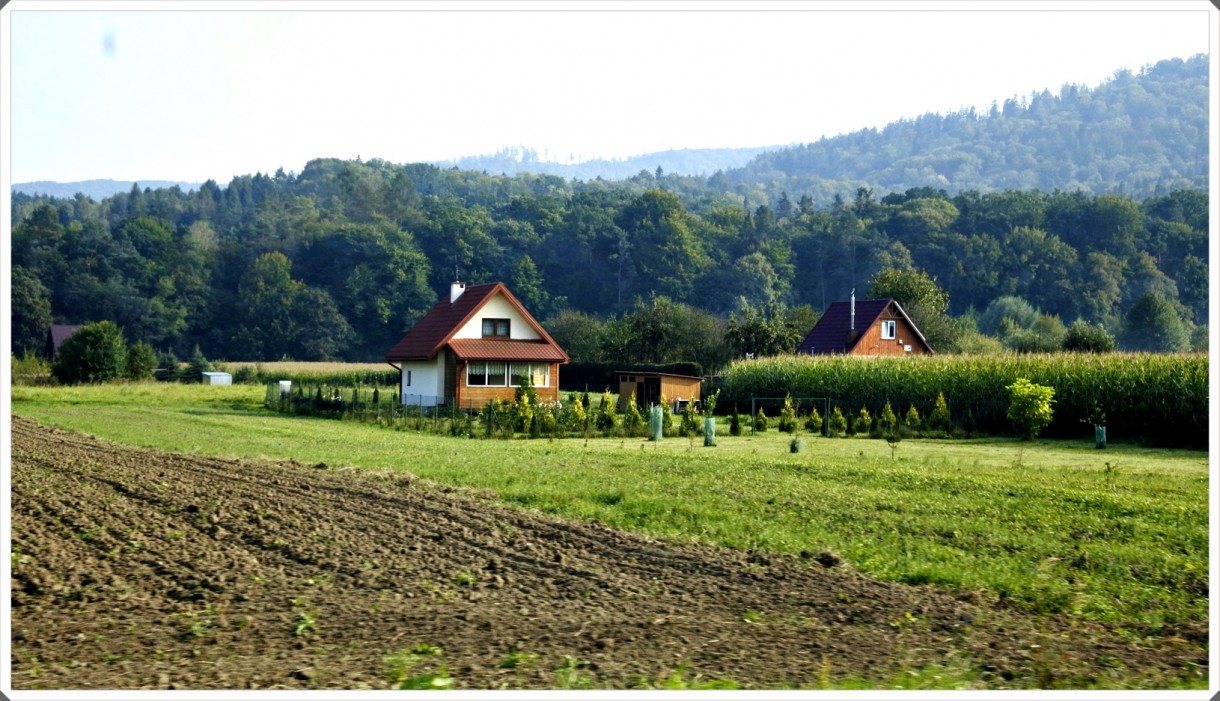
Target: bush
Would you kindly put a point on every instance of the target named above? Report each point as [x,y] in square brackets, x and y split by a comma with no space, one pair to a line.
[249,374]
[735,423]
[1084,337]
[1030,406]
[95,353]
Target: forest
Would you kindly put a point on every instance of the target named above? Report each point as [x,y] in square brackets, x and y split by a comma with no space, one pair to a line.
[336,261]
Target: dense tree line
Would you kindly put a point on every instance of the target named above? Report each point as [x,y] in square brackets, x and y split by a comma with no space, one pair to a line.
[337,261]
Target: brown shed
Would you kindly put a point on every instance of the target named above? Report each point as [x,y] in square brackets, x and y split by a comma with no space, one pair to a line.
[649,387]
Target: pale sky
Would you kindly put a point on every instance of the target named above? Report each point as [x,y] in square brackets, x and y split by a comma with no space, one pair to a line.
[189,91]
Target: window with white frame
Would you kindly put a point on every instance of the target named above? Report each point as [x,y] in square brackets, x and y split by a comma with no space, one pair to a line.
[889,329]
[476,374]
[494,374]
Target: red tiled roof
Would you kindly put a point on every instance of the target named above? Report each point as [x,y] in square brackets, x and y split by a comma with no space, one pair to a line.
[479,349]
[830,335]
[424,340]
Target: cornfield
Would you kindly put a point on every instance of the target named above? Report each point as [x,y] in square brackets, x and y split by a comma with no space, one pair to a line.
[1160,398]
[367,375]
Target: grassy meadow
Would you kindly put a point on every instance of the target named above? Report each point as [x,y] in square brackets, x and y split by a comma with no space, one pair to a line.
[1054,527]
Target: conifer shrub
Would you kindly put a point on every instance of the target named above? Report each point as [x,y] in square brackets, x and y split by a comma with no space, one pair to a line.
[862,424]
[813,422]
[633,420]
[912,420]
[575,418]
[939,419]
[760,421]
[607,415]
[735,423]
[838,422]
[787,416]
[667,417]
[141,361]
[888,421]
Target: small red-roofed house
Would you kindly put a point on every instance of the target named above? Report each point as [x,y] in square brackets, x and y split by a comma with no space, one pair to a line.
[478,343]
[867,327]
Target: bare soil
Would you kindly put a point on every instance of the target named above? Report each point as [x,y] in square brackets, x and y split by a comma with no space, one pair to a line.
[141,569]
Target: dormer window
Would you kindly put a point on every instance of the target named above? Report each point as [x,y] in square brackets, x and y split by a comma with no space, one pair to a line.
[495,328]
[889,329]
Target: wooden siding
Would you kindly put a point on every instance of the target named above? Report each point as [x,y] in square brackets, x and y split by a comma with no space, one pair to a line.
[672,388]
[477,397]
[872,343]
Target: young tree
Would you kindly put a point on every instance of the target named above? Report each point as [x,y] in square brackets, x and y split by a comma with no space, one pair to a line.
[1030,406]
[141,361]
[1152,324]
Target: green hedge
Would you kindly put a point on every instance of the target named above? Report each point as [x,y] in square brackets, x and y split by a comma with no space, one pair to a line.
[1157,398]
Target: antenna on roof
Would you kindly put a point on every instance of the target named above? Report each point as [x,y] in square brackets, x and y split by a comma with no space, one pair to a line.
[853,309]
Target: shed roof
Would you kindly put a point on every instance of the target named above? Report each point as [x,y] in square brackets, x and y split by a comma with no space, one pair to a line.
[648,373]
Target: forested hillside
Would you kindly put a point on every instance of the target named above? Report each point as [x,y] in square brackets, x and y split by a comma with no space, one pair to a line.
[1138,134]
[337,260]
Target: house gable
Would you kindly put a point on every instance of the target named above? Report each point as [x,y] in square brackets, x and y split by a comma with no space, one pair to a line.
[496,307]
[835,334]
[462,320]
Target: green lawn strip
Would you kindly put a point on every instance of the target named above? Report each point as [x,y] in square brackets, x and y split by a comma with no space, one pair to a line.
[1045,525]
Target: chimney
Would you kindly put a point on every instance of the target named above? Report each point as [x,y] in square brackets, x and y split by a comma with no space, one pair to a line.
[853,310]
[456,288]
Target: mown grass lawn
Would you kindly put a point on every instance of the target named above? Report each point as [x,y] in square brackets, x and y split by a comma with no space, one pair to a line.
[1116,535]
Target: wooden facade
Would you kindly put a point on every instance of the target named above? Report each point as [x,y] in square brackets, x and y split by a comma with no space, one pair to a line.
[477,397]
[868,327]
[649,387]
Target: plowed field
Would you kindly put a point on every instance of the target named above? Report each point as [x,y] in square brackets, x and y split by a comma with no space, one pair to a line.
[141,569]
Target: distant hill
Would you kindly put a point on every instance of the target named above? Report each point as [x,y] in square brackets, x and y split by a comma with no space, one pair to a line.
[520,159]
[1136,134]
[96,189]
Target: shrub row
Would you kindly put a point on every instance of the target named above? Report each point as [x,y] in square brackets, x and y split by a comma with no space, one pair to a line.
[1158,398]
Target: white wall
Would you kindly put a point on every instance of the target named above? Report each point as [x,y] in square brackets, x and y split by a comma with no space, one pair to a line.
[427,379]
[498,307]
